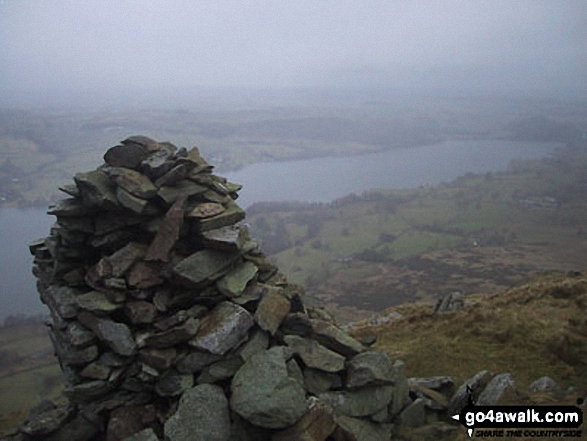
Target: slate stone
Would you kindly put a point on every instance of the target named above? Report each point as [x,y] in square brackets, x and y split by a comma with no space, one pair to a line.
[87,391]
[203,267]
[316,425]
[202,415]
[264,394]
[358,403]
[272,309]
[175,335]
[317,381]
[128,155]
[116,335]
[143,435]
[441,384]
[355,429]
[157,163]
[168,233]
[220,370]
[401,389]
[297,323]
[496,389]
[132,181]
[336,339]
[176,174]
[133,203]
[173,384]
[79,336]
[257,342]
[46,422]
[96,371]
[414,414]
[473,386]
[82,224]
[97,302]
[234,283]
[196,360]
[205,209]
[140,312]
[69,207]
[314,355]
[97,190]
[223,329]
[145,275]
[369,368]
[150,144]
[230,238]
[544,384]
[230,216]
[160,359]
[61,299]
[109,222]
[182,189]
[294,371]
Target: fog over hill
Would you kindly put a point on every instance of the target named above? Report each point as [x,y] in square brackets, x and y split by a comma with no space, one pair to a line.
[146,52]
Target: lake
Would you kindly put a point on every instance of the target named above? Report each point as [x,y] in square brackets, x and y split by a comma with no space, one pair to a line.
[315,180]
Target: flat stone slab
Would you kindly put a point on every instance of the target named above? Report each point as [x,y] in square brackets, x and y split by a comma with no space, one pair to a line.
[206,209]
[358,403]
[336,339]
[182,189]
[203,267]
[128,155]
[272,309]
[223,329]
[96,190]
[175,335]
[125,257]
[314,355]
[61,299]
[495,389]
[133,182]
[234,283]
[95,301]
[202,414]
[264,394]
[232,237]
[371,367]
[230,216]
[116,335]
[168,232]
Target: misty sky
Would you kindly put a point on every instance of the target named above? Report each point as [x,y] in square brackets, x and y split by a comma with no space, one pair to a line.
[58,47]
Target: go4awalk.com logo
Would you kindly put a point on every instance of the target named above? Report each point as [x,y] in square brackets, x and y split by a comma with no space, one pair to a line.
[522,421]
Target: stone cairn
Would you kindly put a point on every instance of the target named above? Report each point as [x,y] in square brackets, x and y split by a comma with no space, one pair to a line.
[170,323]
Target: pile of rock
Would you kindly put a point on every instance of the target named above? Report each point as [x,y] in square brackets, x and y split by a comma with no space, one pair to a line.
[169,322]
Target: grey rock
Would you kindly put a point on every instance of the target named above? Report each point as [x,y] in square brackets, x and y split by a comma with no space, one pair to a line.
[159,359]
[371,367]
[294,371]
[173,336]
[97,302]
[495,390]
[173,384]
[96,371]
[116,335]
[126,155]
[133,203]
[473,386]
[96,189]
[414,414]
[88,391]
[272,309]
[232,215]
[401,388]
[544,384]
[145,275]
[132,182]
[61,299]
[157,164]
[316,381]
[70,354]
[297,323]
[69,207]
[209,209]
[258,341]
[168,233]
[176,174]
[46,422]
[336,339]
[143,435]
[196,360]
[317,424]
[79,336]
[450,302]
[441,384]
[314,355]
[220,370]
[140,312]
[355,429]
[203,267]
[234,283]
[223,329]
[360,402]
[78,429]
[202,415]
[264,394]
[182,189]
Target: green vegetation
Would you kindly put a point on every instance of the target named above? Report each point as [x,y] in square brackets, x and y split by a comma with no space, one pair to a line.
[495,228]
